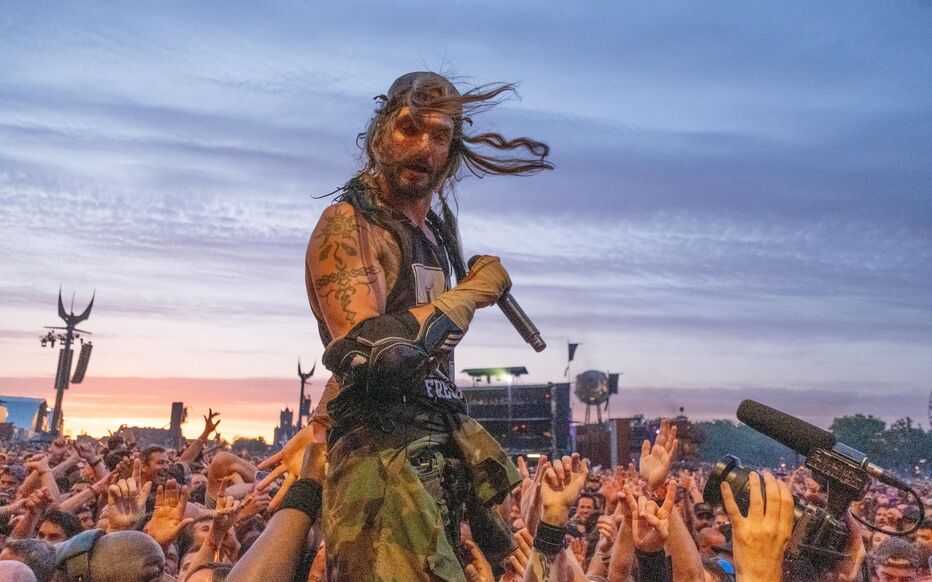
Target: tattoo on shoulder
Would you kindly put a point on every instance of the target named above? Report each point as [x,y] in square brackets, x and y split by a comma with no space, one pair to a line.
[337,238]
[337,242]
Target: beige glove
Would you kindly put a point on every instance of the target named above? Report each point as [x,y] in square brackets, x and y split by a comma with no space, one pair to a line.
[485,283]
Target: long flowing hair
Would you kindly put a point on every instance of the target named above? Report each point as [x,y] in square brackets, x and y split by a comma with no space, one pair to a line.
[478,154]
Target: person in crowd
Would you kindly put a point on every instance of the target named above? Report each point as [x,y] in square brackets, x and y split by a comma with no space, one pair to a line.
[704,516]
[896,560]
[58,526]
[708,539]
[16,572]
[39,556]
[122,556]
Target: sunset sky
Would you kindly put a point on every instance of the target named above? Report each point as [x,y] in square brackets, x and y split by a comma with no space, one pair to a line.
[742,204]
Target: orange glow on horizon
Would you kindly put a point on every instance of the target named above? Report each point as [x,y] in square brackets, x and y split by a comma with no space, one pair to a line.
[248,407]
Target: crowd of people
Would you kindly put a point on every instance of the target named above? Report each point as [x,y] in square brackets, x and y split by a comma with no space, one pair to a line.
[107,511]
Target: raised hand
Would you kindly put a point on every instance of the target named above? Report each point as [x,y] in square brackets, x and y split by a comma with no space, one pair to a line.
[126,503]
[40,464]
[563,481]
[530,495]
[209,425]
[102,485]
[38,501]
[608,529]
[59,448]
[611,487]
[654,466]
[849,568]
[477,567]
[650,524]
[125,468]
[85,451]
[253,504]
[288,461]
[759,539]
[516,562]
[168,516]
[223,521]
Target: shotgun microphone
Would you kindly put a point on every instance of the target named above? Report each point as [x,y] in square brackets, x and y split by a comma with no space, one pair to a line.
[805,438]
[518,318]
[787,430]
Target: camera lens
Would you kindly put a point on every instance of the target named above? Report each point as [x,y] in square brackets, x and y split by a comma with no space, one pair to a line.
[729,470]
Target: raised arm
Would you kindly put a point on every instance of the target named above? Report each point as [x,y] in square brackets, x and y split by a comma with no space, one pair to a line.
[563,481]
[222,466]
[622,561]
[687,563]
[274,556]
[194,449]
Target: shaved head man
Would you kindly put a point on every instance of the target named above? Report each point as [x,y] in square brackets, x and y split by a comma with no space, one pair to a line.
[124,556]
[12,571]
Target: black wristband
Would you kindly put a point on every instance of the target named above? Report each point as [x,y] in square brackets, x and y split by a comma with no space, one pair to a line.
[549,539]
[642,554]
[305,496]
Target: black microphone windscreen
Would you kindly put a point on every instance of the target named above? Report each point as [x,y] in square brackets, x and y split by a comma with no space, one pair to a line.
[787,430]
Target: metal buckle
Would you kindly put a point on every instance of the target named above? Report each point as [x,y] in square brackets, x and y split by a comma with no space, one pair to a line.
[387,425]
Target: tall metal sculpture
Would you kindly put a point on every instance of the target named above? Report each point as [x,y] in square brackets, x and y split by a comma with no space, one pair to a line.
[63,374]
[304,406]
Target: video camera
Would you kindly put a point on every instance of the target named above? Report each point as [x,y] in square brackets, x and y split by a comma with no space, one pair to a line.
[820,535]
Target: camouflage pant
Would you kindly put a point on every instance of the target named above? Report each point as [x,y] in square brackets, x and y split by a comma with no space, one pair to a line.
[380,522]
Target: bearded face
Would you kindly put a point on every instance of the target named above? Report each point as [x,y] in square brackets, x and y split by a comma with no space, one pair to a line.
[413,152]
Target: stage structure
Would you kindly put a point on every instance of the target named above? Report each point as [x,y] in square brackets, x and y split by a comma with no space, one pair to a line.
[525,419]
[304,404]
[66,337]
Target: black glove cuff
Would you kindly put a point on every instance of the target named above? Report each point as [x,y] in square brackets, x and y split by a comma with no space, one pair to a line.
[305,496]
[549,539]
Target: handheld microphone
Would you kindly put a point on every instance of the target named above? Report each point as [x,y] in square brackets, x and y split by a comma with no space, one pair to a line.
[518,318]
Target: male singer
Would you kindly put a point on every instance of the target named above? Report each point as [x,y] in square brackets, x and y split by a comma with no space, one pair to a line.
[406,461]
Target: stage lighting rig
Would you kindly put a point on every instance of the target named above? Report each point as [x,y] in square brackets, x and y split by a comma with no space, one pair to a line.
[66,336]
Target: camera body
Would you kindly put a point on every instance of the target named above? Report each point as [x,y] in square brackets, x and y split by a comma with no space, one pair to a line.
[820,535]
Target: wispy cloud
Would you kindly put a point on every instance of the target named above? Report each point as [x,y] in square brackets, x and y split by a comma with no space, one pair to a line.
[734,186]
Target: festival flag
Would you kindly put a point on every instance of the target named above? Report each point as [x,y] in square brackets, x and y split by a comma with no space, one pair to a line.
[572,353]
[613,383]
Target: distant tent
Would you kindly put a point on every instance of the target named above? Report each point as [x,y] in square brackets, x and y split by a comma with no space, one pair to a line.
[26,415]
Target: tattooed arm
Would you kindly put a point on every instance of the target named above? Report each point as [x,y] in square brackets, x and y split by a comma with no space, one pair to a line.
[346,284]
[539,567]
